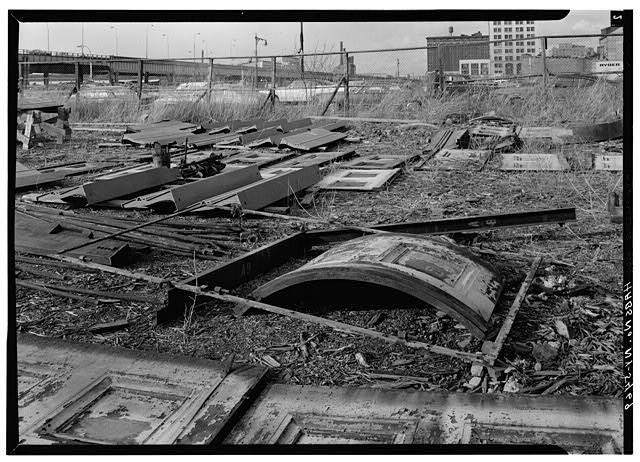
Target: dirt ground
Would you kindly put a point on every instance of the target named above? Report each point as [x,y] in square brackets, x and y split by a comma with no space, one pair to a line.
[567,337]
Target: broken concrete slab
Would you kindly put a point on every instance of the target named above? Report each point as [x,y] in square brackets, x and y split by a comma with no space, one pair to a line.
[456,159]
[609,163]
[432,270]
[311,139]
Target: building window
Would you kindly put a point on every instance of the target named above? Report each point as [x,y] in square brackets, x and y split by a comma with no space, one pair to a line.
[519,36]
[497,51]
[519,44]
[496,23]
[529,22]
[519,29]
[475,69]
[498,58]
[531,50]
[508,29]
[508,44]
[507,36]
[518,22]
[508,51]
[484,68]
[497,65]
[508,58]
[531,42]
[464,68]
[530,35]
[497,37]
[508,23]
[496,29]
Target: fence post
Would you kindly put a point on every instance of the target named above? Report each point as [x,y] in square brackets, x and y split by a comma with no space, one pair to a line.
[346,83]
[543,43]
[78,73]
[210,77]
[46,80]
[273,84]
[140,67]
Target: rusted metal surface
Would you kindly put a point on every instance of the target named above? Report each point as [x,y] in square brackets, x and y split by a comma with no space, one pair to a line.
[92,394]
[182,196]
[40,237]
[610,163]
[457,159]
[268,190]
[533,162]
[358,180]
[293,414]
[453,225]
[311,139]
[127,182]
[432,270]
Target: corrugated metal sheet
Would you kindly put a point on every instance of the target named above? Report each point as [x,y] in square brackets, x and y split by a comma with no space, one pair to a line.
[526,161]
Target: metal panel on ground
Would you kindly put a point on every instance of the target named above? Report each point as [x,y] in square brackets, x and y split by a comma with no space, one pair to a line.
[92,394]
[267,191]
[358,180]
[456,159]
[311,139]
[432,270]
[40,237]
[533,162]
[585,133]
[318,158]
[375,162]
[611,163]
[182,196]
[295,414]
[128,182]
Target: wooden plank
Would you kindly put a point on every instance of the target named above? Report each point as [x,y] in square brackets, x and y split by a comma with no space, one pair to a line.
[492,349]
[377,120]
[122,184]
[358,180]
[524,161]
[609,163]
[375,162]
[233,273]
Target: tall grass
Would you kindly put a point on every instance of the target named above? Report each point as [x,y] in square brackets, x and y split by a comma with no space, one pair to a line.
[535,105]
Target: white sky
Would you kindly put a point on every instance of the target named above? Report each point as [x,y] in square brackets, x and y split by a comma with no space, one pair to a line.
[238,38]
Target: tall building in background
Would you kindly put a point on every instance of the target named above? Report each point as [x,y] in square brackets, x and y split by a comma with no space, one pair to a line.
[506,57]
[610,48]
[449,51]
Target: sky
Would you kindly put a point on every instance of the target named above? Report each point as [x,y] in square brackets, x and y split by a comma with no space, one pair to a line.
[177,40]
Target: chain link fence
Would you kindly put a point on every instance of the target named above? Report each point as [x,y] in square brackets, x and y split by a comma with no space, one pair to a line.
[393,82]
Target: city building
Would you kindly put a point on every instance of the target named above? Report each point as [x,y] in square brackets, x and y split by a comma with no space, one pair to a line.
[571,50]
[474,67]
[607,66]
[447,51]
[610,48]
[518,39]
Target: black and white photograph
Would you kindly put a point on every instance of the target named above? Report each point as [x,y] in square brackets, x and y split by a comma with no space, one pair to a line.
[293,231]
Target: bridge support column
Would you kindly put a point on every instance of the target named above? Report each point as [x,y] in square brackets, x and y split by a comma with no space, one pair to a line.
[45,76]
[111,79]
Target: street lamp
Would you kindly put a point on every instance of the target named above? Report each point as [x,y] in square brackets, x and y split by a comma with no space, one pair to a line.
[82,47]
[165,36]
[48,49]
[115,29]
[206,47]
[194,45]
[258,39]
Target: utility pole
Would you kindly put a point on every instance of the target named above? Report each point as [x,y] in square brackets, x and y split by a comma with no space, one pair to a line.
[194,46]
[255,86]
[398,69]
[48,49]
[82,41]
[301,51]
[146,43]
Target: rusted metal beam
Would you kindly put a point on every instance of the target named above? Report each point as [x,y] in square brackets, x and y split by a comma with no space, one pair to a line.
[454,225]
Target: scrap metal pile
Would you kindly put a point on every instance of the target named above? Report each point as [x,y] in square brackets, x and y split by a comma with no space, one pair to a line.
[203,194]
